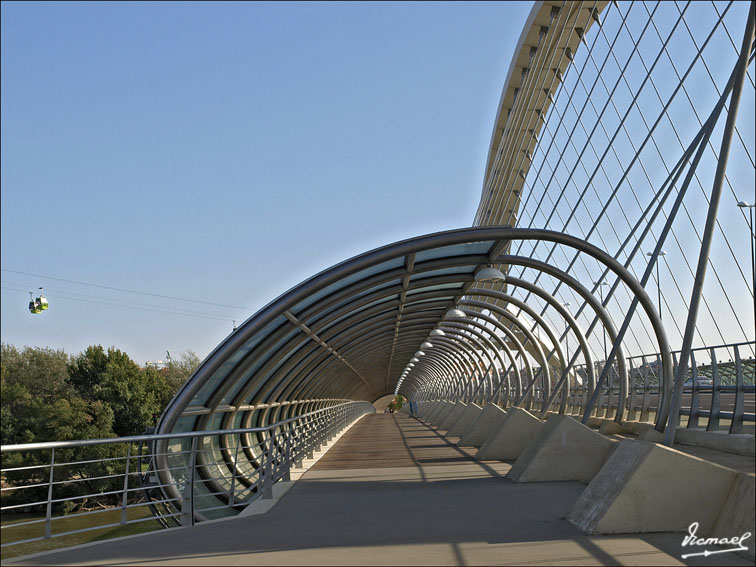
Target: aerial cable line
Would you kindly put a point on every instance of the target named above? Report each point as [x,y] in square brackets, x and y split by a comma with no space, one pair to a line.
[125,306]
[129,290]
[73,295]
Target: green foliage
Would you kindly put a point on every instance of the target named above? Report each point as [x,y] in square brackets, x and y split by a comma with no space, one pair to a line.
[180,370]
[99,394]
[397,403]
[39,403]
[135,395]
[48,395]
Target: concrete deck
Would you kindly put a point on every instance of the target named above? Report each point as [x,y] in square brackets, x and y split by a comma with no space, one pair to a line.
[392,491]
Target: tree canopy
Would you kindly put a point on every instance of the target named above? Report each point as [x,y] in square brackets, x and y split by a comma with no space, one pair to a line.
[48,395]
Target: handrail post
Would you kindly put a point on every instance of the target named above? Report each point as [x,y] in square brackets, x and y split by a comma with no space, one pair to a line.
[187,503]
[48,512]
[126,487]
[297,435]
[632,410]
[736,424]
[287,453]
[309,439]
[695,396]
[646,403]
[714,409]
[232,490]
[267,484]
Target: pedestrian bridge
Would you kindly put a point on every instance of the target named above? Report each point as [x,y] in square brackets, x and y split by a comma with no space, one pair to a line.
[570,379]
[393,490]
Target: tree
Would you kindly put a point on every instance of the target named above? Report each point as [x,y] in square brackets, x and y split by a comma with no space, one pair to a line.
[49,396]
[42,370]
[32,380]
[397,403]
[136,396]
[40,404]
[180,370]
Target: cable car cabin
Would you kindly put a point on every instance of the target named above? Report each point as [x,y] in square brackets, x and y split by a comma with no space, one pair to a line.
[35,306]
[42,300]
[39,304]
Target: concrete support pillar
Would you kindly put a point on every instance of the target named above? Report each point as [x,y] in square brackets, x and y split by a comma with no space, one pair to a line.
[488,422]
[438,418]
[517,432]
[452,416]
[644,487]
[466,419]
[565,449]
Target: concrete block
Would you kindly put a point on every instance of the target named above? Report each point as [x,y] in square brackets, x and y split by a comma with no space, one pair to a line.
[595,422]
[563,450]
[739,443]
[737,516]
[490,420]
[441,406]
[466,419]
[644,487]
[634,426]
[517,432]
[440,415]
[452,416]
[650,434]
[263,505]
[436,407]
[426,408]
[612,428]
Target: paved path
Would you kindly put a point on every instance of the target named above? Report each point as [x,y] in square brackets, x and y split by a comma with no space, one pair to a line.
[394,492]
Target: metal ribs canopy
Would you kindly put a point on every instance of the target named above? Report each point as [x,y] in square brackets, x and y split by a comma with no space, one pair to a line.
[346,333]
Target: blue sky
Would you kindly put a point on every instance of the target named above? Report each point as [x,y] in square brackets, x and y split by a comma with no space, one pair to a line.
[225,152]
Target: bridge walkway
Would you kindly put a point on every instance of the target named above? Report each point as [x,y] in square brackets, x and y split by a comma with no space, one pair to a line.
[393,491]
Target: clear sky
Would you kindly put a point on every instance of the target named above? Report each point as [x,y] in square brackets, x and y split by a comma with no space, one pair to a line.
[225,152]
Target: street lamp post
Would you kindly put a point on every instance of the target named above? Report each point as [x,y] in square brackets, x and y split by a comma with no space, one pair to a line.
[567,338]
[658,281]
[601,285]
[744,205]
[566,334]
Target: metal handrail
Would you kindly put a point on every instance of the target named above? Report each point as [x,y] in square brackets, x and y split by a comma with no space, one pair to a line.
[199,484]
[734,378]
[156,436]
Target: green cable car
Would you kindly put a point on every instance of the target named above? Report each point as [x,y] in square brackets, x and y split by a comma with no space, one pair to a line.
[34,305]
[39,304]
[42,300]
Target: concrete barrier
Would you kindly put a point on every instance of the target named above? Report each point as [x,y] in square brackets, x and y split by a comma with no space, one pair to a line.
[440,407]
[438,418]
[508,442]
[488,422]
[466,419]
[738,443]
[564,450]
[644,487]
[421,408]
[452,416]
[612,428]
[737,515]
[427,409]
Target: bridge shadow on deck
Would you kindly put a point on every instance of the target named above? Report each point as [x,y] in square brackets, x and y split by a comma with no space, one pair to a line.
[393,491]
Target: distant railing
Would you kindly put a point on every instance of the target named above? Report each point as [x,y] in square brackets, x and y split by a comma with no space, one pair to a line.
[66,485]
[720,385]
[719,391]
